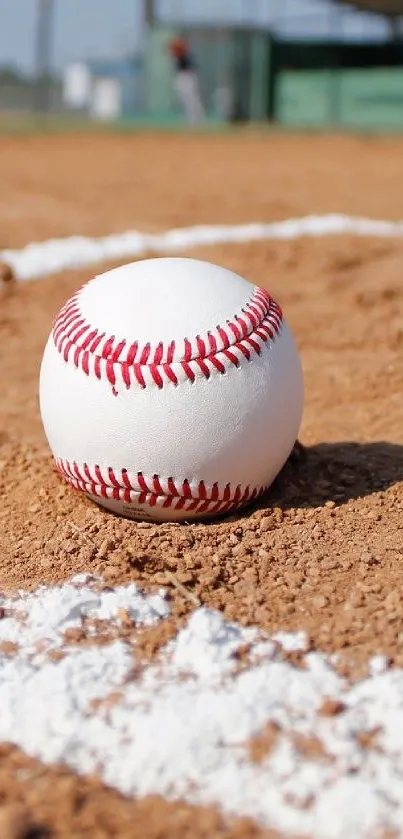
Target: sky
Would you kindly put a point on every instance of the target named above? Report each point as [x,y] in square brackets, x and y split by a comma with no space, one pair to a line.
[107,28]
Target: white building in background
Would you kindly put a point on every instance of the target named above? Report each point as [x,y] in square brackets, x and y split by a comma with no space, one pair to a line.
[77,85]
[103,89]
[106,99]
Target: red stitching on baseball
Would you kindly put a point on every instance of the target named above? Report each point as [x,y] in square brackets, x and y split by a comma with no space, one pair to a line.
[155,491]
[107,357]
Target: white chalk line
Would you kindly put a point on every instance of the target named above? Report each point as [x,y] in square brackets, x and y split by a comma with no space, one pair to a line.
[42,258]
[181,728]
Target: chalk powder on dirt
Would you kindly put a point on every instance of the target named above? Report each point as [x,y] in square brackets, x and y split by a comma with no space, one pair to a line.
[197,703]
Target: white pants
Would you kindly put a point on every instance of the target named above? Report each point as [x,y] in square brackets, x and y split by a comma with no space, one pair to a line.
[187,88]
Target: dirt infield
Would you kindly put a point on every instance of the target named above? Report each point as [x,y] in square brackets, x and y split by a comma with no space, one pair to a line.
[95,185]
[322,552]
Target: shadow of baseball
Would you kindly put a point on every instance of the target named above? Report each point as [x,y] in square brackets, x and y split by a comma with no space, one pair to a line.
[335,472]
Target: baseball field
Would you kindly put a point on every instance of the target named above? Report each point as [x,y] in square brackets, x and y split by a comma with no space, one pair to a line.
[235,678]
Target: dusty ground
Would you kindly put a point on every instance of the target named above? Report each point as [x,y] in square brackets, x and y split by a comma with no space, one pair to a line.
[58,186]
[323,550]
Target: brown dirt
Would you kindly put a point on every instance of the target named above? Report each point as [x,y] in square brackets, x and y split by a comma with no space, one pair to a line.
[50,803]
[323,550]
[89,185]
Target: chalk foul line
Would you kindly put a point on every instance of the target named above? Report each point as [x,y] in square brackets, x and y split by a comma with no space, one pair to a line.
[42,258]
[182,726]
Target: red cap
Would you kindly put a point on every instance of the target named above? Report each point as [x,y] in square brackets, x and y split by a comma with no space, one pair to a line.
[178,47]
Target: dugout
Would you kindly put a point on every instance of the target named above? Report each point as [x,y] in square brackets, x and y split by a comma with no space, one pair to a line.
[251,74]
[350,85]
[340,82]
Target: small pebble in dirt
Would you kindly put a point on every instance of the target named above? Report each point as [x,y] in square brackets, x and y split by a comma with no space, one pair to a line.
[6,273]
[16,823]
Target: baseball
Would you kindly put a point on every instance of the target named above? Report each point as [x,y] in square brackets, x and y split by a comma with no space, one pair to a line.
[170,389]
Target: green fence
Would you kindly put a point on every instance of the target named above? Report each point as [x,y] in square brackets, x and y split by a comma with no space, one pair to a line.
[363,98]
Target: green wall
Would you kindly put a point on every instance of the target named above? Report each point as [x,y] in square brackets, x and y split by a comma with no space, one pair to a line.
[302,98]
[372,98]
[368,98]
[159,97]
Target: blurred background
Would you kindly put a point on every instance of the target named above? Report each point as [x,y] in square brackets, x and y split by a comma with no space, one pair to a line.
[302,63]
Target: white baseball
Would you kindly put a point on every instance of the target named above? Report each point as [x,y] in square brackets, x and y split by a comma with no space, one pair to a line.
[170,389]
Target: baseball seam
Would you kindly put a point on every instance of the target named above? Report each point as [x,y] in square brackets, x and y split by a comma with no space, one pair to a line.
[135,488]
[120,363]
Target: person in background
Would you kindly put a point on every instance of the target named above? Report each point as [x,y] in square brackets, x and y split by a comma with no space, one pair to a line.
[186,81]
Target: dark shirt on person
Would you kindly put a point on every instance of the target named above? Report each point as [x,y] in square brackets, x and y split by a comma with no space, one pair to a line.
[183,62]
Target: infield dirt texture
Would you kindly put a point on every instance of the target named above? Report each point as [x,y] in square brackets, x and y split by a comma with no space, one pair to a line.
[321,553]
